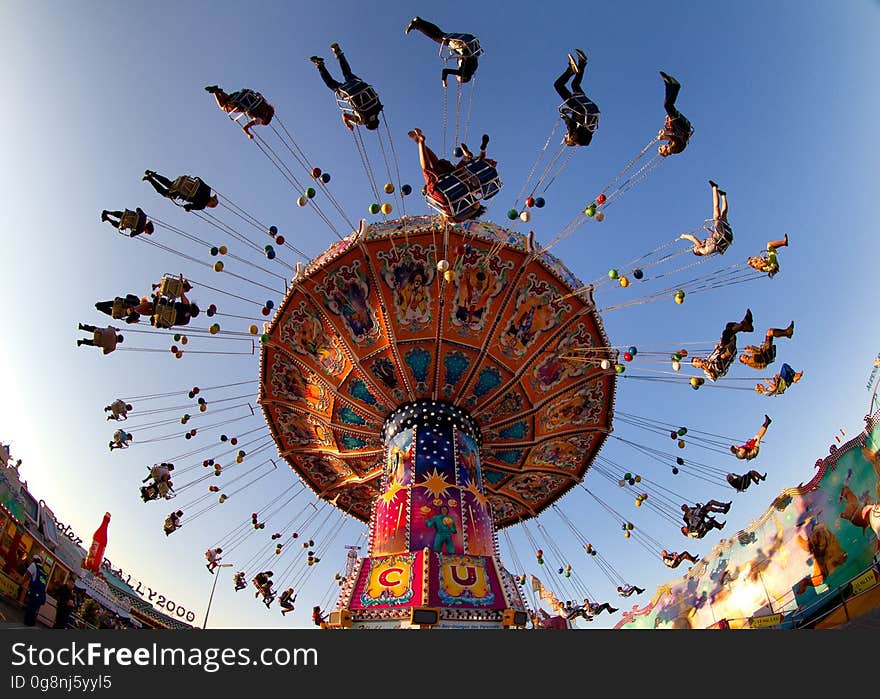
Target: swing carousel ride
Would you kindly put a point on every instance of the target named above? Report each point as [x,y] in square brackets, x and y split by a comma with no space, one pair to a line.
[441,377]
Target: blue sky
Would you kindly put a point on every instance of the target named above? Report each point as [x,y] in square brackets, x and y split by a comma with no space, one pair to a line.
[781,97]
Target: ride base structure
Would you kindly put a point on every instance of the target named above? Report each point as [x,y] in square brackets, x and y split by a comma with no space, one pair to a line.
[415,377]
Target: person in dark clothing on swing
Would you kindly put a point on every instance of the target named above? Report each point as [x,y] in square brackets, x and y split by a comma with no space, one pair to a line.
[759,356]
[719,360]
[740,483]
[465,46]
[128,308]
[192,190]
[360,96]
[674,559]
[136,221]
[580,114]
[677,130]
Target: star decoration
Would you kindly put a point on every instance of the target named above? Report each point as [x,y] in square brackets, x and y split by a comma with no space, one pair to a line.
[478,496]
[391,492]
[435,484]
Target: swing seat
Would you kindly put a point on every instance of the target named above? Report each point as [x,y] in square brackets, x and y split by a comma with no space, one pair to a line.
[172,287]
[480,177]
[165,315]
[460,46]
[583,110]
[245,102]
[718,365]
[119,310]
[721,233]
[186,186]
[357,97]
[679,127]
[133,221]
[456,199]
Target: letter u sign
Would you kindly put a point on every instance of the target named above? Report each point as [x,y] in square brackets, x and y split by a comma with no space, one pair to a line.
[469,578]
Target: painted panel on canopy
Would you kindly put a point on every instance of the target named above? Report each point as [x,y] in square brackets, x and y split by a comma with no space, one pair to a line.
[384,372]
[565,454]
[322,470]
[454,367]
[408,273]
[366,465]
[803,547]
[536,489]
[512,402]
[533,312]
[290,382]
[351,442]
[485,383]
[581,407]
[506,511]
[354,417]
[358,499]
[307,335]
[516,431]
[296,431]
[503,459]
[346,291]
[560,364]
[472,300]
[418,363]
[361,392]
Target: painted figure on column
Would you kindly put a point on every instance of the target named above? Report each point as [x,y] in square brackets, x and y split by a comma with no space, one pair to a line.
[444,527]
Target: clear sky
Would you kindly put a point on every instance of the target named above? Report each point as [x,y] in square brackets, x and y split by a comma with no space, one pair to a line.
[782,97]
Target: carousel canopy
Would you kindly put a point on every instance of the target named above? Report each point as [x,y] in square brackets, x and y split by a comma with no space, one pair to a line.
[469,314]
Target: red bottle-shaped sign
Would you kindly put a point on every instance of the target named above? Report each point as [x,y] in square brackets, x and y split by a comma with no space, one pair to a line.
[95,556]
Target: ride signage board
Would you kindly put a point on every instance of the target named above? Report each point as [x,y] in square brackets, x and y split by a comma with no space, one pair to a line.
[8,586]
[766,621]
[864,582]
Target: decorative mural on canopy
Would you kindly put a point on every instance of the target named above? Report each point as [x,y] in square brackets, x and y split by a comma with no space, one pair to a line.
[363,330]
